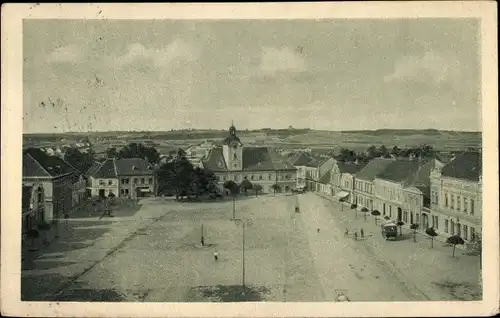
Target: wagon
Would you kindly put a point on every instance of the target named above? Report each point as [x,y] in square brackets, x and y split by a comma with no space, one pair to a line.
[389,230]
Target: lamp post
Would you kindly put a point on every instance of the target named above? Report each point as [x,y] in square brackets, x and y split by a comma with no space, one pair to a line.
[234,208]
[243,224]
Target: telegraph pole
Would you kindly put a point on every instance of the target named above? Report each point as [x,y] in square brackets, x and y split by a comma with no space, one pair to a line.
[243,224]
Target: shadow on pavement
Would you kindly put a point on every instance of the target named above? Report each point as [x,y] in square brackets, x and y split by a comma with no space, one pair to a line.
[231,293]
[39,287]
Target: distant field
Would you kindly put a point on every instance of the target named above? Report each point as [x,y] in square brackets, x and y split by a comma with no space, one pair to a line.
[355,140]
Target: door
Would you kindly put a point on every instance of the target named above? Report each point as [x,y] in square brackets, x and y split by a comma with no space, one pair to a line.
[400,214]
[102,194]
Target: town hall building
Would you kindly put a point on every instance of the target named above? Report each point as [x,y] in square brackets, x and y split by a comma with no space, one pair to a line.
[259,165]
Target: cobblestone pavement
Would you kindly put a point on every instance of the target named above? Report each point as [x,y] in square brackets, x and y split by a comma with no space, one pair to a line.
[153,253]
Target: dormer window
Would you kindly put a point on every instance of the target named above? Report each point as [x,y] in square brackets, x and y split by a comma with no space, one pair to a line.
[219,164]
[235,156]
[134,168]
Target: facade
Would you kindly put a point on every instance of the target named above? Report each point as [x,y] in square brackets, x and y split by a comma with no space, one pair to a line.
[259,165]
[343,179]
[300,161]
[456,197]
[60,181]
[324,183]
[129,177]
[364,183]
[33,203]
[402,191]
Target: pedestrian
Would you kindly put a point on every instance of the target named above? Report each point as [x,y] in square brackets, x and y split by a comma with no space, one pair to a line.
[362,233]
[346,233]
[216,256]
[356,236]
[318,230]
[202,241]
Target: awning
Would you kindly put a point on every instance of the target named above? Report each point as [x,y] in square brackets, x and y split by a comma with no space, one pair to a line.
[342,194]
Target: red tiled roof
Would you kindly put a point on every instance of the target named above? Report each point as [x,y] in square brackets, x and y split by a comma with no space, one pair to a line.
[467,166]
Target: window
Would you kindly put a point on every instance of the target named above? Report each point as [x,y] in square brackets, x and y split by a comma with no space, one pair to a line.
[123,181]
[452,228]
[235,157]
[225,178]
[101,182]
[466,204]
[150,180]
[472,233]
[270,176]
[126,191]
[471,206]
[452,202]
[458,203]
[459,229]
[446,199]
[405,217]
[235,165]
[143,180]
[110,182]
[217,177]
[235,178]
[446,226]
[418,218]
[122,191]
[251,177]
[134,180]
[466,232]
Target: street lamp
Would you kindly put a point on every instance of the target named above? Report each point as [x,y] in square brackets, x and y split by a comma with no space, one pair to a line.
[243,224]
[234,208]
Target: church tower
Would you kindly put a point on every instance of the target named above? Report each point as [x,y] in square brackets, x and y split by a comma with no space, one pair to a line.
[232,149]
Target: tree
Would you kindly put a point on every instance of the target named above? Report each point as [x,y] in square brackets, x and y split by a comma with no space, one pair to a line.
[257,188]
[432,233]
[231,186]
[383,151]
[111,152]
[276,188]
[400,224]
[396,151]
[246,185]
[387,218]
[372,152]
[376,213]
[80,160]
[414,227]
[138,150]
[455,240]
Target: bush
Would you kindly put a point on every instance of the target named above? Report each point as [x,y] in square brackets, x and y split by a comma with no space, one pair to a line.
[455,240]
[354,206]
[432,233]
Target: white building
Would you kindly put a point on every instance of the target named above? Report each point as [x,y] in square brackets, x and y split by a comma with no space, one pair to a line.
[456,197]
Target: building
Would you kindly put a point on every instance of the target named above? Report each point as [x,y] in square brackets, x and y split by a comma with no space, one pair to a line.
[300,161]
[456,196]
[60,182]
[402,191]
[196,153]
[33,203]
[260,165]
[342,179]
[364,182]
[127,177]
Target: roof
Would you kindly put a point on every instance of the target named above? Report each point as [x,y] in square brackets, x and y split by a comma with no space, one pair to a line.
[112,168]
[27,191]
[373,169]
[467,166]
[37,163]
[325,178]
[254,159]
[400,170]
[133,167]
[350,167]
[300,159]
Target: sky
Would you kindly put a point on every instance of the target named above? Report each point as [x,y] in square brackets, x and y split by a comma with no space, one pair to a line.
[105,75]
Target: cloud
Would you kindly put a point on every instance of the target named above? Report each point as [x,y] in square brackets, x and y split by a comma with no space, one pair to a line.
[66,54]
[437,68]
[138,53]
[275,60]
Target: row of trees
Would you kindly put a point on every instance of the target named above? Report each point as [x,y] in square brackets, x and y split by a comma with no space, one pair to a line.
[135,150]
[453,240]
[347,155]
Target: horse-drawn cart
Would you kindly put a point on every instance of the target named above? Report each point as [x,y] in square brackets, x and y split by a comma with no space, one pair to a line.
[389,230]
